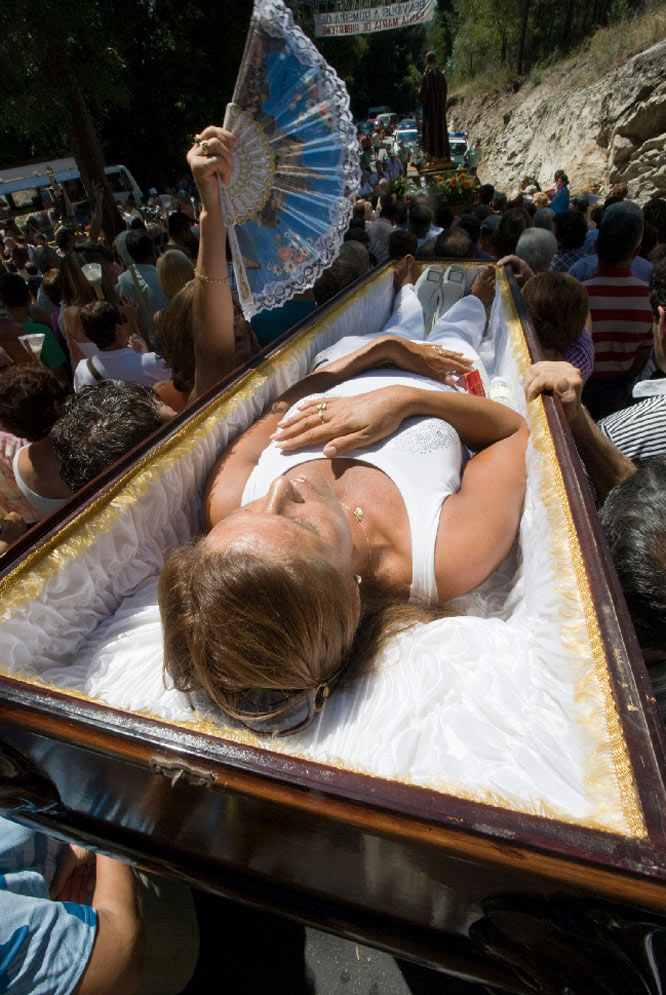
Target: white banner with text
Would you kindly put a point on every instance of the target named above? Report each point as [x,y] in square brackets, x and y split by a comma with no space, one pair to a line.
[384,18]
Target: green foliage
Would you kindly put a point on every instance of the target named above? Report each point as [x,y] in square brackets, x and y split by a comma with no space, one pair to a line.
[486,34]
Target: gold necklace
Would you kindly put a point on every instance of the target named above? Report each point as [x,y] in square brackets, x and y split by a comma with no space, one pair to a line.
[357,513]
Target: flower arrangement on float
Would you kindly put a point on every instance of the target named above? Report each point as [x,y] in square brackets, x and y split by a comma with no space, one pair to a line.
[451,188]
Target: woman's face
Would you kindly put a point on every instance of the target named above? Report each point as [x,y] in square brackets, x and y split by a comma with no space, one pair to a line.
[297,517]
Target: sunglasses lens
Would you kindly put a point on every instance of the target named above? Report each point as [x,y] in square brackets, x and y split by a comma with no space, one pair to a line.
[287,717]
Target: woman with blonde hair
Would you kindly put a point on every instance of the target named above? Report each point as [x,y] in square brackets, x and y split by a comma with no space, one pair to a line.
[174,270]
[329,514]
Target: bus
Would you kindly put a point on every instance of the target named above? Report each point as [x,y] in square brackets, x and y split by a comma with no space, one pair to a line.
[26,192]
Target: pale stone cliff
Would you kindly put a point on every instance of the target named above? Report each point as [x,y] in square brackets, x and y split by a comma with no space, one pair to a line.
[611,129]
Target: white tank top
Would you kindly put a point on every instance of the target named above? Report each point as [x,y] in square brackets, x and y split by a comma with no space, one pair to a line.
[42,505]
[423,459]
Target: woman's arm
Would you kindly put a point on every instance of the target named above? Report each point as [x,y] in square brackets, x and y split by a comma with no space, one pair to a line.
[478,524]
[213,312]
[349,423]
[424,359]
[115,964]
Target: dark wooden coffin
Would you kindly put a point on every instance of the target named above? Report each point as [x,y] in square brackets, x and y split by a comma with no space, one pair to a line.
[524,897]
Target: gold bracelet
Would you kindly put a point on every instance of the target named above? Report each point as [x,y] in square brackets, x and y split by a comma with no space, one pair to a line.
[209,279]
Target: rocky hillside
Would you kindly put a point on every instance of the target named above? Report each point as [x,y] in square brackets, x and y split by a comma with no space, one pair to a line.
[606,130]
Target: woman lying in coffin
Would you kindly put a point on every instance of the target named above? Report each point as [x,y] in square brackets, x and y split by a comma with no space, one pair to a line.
[343,514]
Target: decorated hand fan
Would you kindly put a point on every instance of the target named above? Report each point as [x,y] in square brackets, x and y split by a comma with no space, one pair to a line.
[296,166]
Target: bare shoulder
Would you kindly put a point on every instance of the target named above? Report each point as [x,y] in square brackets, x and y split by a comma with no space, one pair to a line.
[226,482]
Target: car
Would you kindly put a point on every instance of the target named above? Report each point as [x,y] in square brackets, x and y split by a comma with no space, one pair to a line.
[411,141]
[364,127]
[409,136]
[407,122]
[458,147]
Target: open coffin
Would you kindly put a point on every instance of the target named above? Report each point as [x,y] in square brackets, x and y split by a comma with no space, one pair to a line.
[495,768]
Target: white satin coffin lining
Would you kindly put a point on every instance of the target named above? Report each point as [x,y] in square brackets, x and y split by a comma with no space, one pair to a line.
[491,705]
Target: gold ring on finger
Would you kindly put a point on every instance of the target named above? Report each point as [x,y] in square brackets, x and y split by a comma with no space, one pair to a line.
[197,139]
[204,148]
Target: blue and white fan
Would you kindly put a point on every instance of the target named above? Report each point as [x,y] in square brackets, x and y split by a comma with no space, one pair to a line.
[296,167]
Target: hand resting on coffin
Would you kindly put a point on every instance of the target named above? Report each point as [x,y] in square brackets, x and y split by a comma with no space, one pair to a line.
[606,465]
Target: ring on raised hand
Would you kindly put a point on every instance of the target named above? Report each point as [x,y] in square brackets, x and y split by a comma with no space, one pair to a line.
[197,139]
[204,148]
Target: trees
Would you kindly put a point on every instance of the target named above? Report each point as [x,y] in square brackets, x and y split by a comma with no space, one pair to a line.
[60,69]
[132,78]
[512,35]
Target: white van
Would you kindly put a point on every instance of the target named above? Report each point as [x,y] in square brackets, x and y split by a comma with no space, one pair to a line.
[25,191]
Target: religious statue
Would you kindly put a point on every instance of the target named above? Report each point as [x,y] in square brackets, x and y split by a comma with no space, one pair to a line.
[432,96]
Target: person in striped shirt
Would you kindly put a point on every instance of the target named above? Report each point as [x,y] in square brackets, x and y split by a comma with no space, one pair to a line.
[620,310]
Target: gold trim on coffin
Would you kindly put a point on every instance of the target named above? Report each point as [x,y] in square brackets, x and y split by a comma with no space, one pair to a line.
[581,639]
[573,585]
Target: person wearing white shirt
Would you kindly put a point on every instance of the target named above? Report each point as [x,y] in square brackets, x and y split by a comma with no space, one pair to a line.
[119,358]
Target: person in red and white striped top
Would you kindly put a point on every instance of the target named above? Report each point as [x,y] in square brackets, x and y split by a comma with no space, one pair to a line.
[620,309]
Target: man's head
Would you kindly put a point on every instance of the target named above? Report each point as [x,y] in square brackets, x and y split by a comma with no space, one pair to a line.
[401,243]
[14,292]
[44,258]
[471,224]
[65,239]
[485,193]
[579,204]
[620,234]
[536,247]
[101,321]
[500,202]
[454,243]
[420,219]
[179,227]
[544,217]
[334,279]
[634,522]
[489,226]
[140,247]
[431,59]
[570,229]
[100,424]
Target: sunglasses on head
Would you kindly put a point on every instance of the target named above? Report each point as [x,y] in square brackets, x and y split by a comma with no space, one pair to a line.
[276,713]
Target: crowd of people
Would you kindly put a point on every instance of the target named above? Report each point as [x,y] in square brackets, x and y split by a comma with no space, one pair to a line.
[101,344]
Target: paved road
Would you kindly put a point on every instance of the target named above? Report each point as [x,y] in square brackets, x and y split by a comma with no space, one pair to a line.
[246,952]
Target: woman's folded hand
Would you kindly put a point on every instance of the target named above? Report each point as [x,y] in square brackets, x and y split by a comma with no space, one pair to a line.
[426,359]
[342,424]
